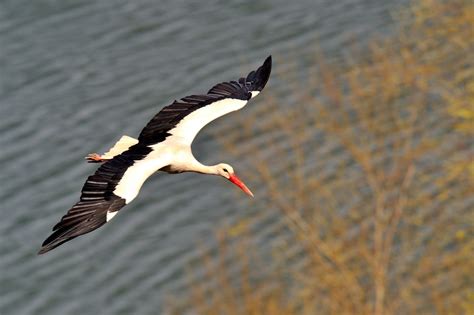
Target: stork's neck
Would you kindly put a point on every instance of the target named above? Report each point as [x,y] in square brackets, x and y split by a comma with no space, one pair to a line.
[198,167]
[188,163]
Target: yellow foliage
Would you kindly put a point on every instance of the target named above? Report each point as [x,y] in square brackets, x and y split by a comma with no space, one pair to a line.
[368,175]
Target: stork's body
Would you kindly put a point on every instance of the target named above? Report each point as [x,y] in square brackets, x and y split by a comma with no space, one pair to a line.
[164,144]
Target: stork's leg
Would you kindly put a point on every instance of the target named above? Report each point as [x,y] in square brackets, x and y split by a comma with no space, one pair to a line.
[95,158]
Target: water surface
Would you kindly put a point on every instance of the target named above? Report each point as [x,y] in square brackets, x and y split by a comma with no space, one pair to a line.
[75,76]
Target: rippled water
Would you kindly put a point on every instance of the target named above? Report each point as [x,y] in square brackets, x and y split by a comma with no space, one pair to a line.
[74,77]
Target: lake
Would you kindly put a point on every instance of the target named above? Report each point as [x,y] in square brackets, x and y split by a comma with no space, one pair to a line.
[75,76]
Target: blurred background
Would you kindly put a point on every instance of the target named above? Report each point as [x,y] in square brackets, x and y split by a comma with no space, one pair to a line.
[359,152]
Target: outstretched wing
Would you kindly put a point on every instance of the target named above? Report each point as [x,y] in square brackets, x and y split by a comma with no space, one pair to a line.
[184,118]
[113,185]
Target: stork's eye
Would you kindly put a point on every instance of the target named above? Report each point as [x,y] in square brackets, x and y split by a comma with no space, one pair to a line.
[225,170]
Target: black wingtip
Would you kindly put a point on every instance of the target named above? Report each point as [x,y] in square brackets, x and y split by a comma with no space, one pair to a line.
[47,246]
[266,69]
[62,236]
[268,62]
[53,241]
[43,250]
[259,78]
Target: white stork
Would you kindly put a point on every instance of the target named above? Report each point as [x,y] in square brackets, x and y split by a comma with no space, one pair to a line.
[163,145]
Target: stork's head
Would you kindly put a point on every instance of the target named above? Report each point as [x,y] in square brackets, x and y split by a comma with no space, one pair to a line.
[227,171]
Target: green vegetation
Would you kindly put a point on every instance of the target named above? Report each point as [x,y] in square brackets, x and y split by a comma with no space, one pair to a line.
[370,175]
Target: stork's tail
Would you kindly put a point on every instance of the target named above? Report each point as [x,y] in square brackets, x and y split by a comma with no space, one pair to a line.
[121,146]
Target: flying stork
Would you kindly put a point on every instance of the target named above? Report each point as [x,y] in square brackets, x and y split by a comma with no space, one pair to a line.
[163,145]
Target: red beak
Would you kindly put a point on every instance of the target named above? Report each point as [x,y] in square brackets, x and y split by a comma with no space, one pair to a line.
[236,181]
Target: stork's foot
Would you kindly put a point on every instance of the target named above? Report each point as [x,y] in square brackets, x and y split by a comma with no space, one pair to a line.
[95,158]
